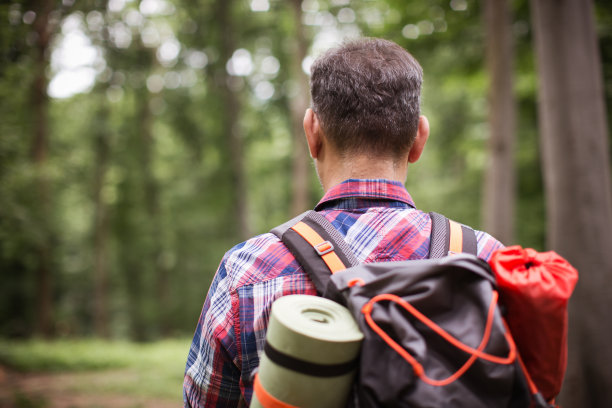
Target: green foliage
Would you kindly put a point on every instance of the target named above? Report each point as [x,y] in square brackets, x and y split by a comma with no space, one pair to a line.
[138,167]
[92,354]
[604,31]
[69,355]
[136,369]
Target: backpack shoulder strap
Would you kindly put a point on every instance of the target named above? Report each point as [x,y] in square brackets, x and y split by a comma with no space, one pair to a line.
[318,247]
[450,237]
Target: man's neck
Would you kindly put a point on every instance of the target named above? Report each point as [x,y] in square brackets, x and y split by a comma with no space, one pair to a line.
[333,172]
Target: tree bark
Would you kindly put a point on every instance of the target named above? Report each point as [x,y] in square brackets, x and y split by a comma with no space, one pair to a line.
[231,108]
[101,228]
[39,153]
[576,168]
[500,177]
[154,223]
[298,105]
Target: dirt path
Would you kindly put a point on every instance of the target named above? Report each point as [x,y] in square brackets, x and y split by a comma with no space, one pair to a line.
[75,390]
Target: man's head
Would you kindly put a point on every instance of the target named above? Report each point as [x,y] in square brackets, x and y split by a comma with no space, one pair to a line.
[366,96]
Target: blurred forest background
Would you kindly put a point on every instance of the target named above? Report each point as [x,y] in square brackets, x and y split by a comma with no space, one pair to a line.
[140,140]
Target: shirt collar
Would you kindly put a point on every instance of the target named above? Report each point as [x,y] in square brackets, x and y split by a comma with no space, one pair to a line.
[352,192]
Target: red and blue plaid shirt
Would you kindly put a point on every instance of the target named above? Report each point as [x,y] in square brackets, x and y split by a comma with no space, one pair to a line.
[380,223]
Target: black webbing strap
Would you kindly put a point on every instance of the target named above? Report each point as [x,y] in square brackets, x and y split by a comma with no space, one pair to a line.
[470,244]
[441,237]
[307,367]
[309,258]
[319,272]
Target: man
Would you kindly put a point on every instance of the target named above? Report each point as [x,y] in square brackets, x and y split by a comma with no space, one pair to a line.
[363,130]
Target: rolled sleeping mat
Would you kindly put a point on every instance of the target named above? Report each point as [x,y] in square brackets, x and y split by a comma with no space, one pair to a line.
[310,357]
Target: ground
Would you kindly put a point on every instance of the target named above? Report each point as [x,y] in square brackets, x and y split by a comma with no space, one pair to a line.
[88,389]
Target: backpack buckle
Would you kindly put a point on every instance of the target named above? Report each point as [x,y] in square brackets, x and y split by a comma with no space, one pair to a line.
[323,248]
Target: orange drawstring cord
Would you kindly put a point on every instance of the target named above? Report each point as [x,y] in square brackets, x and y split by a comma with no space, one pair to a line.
[417,367]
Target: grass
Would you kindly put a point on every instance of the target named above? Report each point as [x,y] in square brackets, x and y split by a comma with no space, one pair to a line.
[147,370]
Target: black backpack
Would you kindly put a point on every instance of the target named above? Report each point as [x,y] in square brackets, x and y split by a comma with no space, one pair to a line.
[434,334]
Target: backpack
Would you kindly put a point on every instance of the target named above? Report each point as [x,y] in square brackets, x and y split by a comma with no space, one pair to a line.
[434,335]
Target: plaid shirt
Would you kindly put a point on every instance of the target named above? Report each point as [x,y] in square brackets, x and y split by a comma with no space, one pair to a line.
[380,223]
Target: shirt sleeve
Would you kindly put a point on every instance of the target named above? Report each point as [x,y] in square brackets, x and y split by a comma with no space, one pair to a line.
[487,245]
[212,377]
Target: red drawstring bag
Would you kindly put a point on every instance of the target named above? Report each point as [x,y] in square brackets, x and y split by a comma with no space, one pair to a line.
[535,288]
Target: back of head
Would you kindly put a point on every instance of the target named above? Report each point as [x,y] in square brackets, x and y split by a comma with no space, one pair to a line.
[366,94]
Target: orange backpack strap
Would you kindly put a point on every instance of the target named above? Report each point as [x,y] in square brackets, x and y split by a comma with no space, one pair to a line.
[319,248]
[449,237]
[324,248]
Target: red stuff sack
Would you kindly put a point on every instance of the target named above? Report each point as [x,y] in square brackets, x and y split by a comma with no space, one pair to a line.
[535,288]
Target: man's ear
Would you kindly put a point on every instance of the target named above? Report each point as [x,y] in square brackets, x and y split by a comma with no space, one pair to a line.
[419,142]
[312,129]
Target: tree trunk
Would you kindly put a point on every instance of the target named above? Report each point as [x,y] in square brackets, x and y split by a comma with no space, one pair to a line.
[500,186]
[576,168]
[155,245]
[147,284]
[298,105]
[39,152]
[101,227]
[231,109]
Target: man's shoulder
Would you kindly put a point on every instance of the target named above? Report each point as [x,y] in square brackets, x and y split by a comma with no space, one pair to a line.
[485,242]
[260,258]
[252,244]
